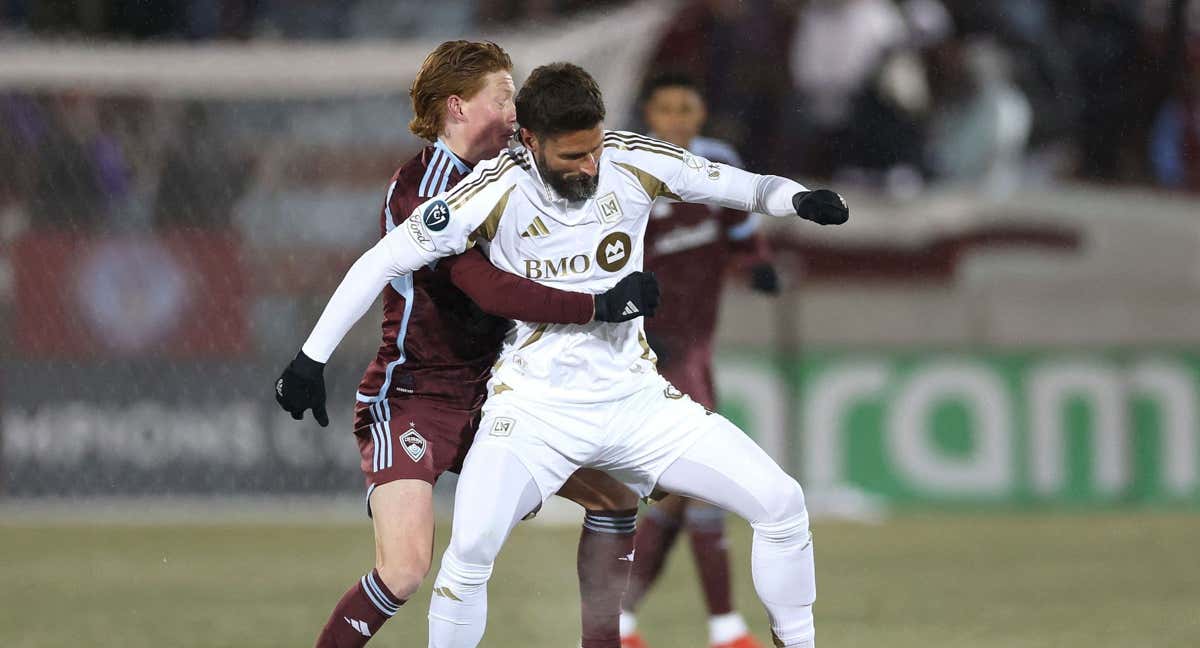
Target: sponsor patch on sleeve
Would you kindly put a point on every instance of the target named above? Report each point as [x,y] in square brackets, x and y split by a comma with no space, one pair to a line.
[436,216]
[419,233]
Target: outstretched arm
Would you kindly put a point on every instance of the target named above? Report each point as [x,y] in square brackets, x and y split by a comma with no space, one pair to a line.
[391,257]
[667,170]
[439,227]
[735,188]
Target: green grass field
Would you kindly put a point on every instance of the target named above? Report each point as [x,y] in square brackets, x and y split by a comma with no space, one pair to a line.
[917,581]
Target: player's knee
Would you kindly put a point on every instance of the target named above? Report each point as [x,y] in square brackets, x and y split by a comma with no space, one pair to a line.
[784,501]
[459,571]
[786,517]
[477,549]
[403,578]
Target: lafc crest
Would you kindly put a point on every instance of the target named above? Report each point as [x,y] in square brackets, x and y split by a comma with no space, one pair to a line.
[609,208]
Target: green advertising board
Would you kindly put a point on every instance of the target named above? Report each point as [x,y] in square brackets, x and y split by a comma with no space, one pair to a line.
[1027,429]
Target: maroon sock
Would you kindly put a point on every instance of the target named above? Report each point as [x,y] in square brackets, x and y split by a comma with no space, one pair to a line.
[360,614]
[706,528]
[656,534]
[604,560]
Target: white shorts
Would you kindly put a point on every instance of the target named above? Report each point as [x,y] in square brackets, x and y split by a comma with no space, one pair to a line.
[634,439]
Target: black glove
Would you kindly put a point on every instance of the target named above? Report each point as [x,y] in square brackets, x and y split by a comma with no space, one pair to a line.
[764,279]
[821,206]
[634,296]
[301,387]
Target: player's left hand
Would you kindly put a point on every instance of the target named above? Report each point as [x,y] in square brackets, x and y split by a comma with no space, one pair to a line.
[764,279]
[821,206]
[301,387]
[634,296]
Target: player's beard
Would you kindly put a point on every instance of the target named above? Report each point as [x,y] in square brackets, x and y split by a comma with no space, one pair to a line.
[579,186]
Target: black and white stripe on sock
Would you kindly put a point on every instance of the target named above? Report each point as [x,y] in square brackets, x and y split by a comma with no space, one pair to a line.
[379,596]
[615,522]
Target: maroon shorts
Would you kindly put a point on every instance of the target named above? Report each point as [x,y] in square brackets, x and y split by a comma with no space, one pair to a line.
[411,438]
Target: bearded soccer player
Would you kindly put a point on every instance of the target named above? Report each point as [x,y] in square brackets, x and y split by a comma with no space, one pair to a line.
[689,248]
[570,209]
[419,401]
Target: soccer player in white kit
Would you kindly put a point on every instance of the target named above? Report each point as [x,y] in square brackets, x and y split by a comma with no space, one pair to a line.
[570,210]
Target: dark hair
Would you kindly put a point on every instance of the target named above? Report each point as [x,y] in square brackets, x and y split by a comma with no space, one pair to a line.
[559,98]
[668,80]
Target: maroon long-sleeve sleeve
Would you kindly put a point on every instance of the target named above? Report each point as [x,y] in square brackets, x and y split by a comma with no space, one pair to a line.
[746,250]
[507,295]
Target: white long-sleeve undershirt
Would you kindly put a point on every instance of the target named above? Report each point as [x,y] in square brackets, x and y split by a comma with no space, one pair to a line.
[394,255]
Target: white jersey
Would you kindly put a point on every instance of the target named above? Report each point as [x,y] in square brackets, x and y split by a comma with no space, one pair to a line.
[526,229]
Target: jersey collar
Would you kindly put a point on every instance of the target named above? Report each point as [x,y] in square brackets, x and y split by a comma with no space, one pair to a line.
[548,193]
[462,167]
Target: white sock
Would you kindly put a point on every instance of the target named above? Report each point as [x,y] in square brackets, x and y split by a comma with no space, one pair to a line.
[628,623]
[723,628]
[781,562]
[458,608]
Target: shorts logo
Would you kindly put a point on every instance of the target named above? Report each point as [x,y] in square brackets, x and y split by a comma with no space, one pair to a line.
[610,209]
[420,235]
[714,172]
[613,252]
[414,444]
[693,162]
[672,393]
[502,427]
[436,216]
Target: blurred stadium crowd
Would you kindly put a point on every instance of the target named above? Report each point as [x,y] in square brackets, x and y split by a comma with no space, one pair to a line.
[896,95]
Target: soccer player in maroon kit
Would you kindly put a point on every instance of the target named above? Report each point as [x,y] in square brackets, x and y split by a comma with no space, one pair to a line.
[689,248]
[420,399]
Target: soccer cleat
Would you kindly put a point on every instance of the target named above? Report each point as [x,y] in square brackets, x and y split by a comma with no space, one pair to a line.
[744,641]
[779,643]
[633,641]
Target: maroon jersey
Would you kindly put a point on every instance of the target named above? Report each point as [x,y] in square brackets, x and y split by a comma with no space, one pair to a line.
[437,343]
[689,248]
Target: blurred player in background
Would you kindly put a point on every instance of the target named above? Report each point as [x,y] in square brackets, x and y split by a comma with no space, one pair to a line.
[419,401]
[689,248]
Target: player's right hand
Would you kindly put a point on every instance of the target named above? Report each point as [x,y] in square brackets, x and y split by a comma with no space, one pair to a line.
[302,386]
[821,206]
[634,296]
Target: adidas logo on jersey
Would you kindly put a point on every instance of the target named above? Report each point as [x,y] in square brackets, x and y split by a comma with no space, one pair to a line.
[361,626]
[630,309]
[536,228]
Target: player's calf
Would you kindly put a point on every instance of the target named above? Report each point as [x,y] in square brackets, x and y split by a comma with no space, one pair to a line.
[606,552]
[359,614]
